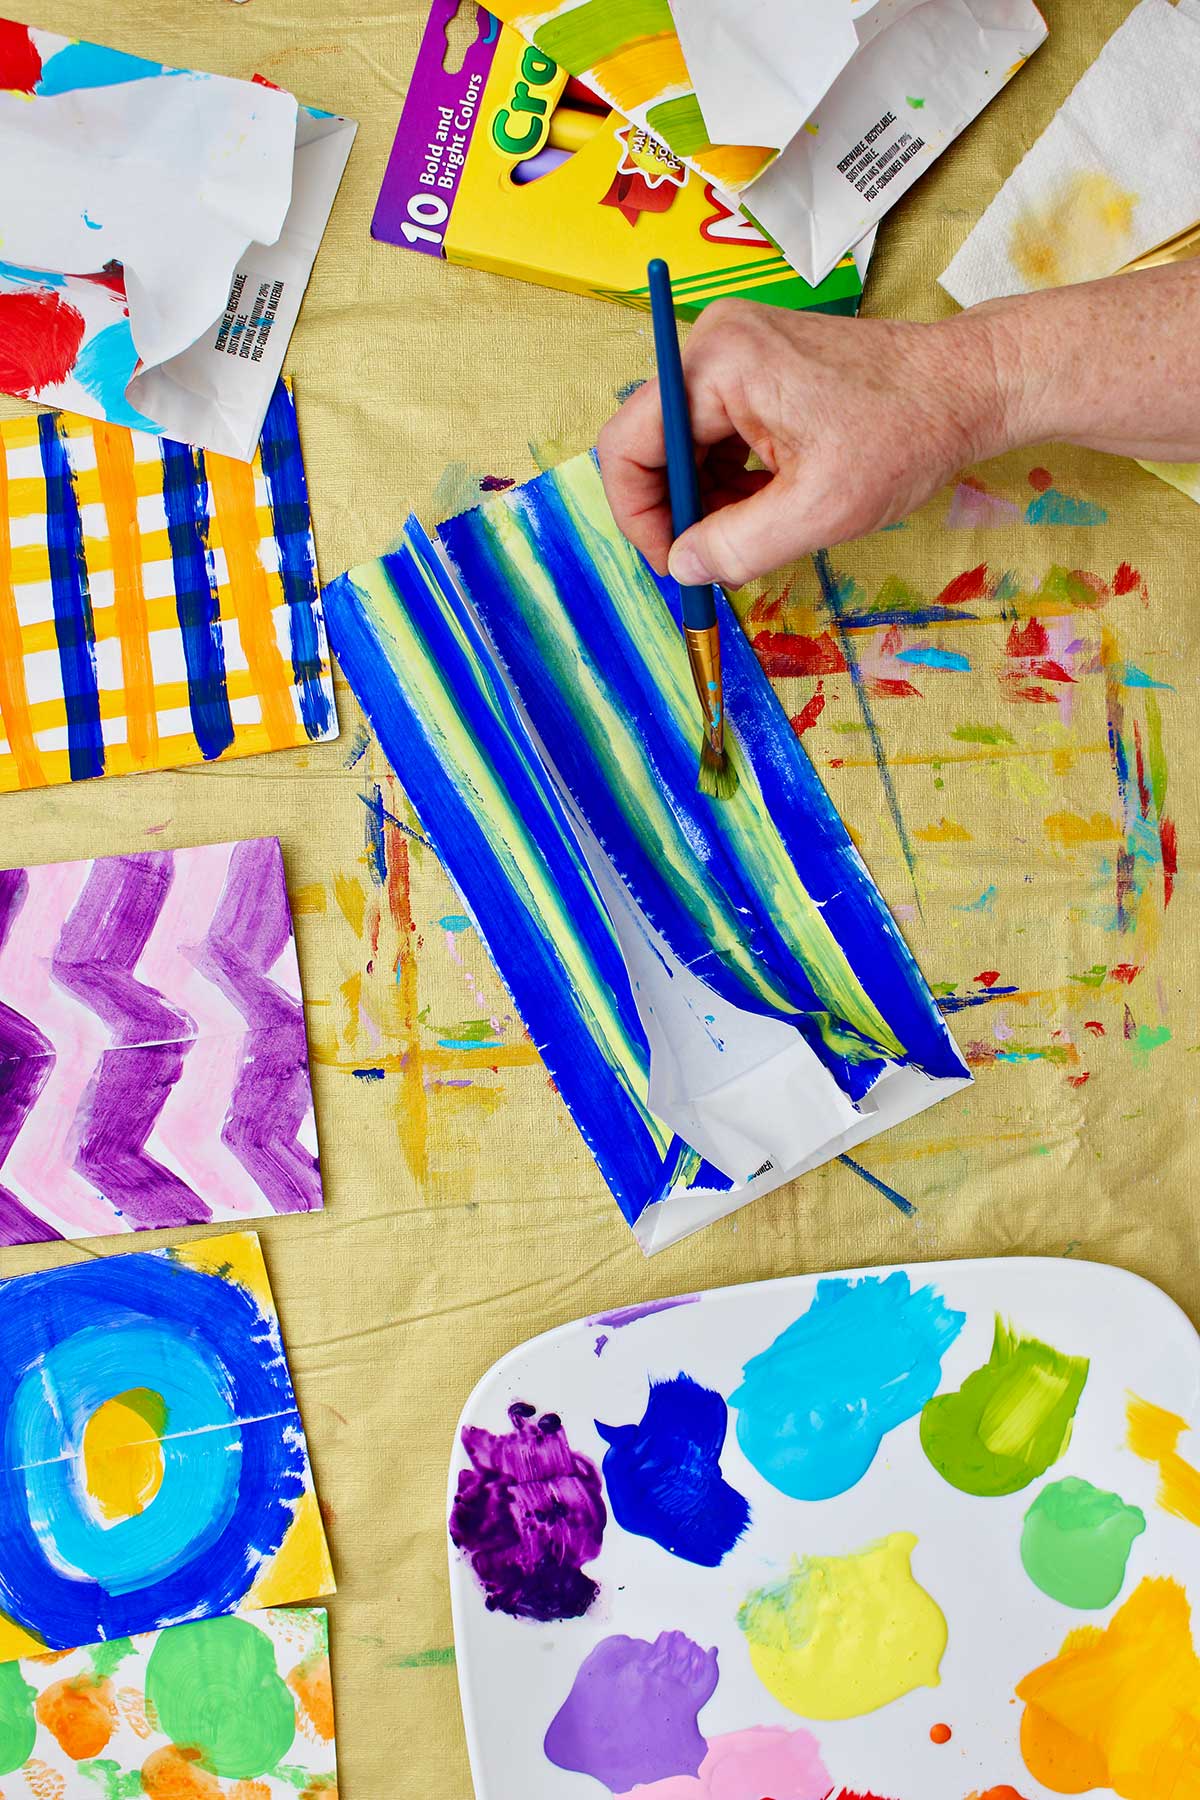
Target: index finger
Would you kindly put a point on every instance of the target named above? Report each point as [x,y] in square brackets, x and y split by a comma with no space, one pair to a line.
[633,464]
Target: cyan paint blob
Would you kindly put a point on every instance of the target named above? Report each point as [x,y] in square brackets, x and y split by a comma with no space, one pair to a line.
[814,1407]
[92,66]
[664,1475]
[1076,1541]
[104,367]
[928,657]
[1053,507]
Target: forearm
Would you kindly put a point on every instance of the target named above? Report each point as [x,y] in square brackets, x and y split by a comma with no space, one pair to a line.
[1113,365]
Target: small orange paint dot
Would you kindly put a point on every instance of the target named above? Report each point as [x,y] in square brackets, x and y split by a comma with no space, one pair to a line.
[940,1734]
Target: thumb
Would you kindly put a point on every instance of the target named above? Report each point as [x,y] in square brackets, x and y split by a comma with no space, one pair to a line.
[745,539]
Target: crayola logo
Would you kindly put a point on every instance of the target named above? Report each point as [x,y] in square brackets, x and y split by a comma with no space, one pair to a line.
[519,128]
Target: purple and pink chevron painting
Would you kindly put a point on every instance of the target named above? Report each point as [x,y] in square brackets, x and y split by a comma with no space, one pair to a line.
[153,1060]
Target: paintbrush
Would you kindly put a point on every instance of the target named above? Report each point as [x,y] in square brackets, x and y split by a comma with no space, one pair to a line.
[717,775]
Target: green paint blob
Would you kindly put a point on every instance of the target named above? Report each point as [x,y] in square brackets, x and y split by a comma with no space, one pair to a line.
[18,1728]
[214,1686]
[982,734]
[115,1782]
[106,1657]
[1009,1420]
[1147,1039]
[1076,1541]
[425,1659]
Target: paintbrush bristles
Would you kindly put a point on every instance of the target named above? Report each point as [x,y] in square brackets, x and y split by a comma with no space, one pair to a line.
[717,776]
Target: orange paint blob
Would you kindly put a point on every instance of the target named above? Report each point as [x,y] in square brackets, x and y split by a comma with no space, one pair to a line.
[997,1793]
[173,1774]
[1119,1707]
[79,1713]
[311,1684]
[323,1788]
[940,1734]
[137,1711]
[249,1790]
[43,1782]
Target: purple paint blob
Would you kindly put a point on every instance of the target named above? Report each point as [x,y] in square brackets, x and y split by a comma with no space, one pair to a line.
[528,1514]
[271,1099]
[629,1315]
[100,946]
[26,1059]
[630,1717]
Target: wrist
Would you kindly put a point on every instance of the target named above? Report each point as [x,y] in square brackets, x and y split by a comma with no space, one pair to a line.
[1015,385]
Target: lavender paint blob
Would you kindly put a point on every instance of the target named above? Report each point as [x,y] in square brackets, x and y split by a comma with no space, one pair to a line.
[629,1315]
[664,1476]
[528,1514]
[630,1717]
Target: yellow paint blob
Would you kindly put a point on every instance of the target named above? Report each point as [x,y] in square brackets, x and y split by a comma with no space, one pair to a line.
[642,71]
[946,831]
[1119,1708]
[236,1257]
[1081,230]
[845,1635]
[1153,1434]
[351,897]
[302,1565]
[16,1641]
[1069,829]
[122,1454]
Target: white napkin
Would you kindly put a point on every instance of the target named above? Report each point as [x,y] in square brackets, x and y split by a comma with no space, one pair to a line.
[1115,173]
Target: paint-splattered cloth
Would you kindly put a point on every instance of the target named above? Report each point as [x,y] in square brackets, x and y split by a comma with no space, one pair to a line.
[1001,697]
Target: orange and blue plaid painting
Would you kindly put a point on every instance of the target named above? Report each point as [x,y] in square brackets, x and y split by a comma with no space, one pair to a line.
[158,606]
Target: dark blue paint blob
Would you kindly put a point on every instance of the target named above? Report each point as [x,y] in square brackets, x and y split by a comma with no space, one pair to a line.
[74,627]
[664,1476]
[235,1465]
[283,467]
[197,603]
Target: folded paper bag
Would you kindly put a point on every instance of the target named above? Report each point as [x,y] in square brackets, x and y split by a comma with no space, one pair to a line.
[159,240]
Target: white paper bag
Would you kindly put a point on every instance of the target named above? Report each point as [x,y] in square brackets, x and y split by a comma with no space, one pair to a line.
[158,229]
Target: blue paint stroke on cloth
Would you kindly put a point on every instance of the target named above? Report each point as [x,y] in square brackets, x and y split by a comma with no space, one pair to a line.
[197,603]
[928,657]
[104,367]
[283,467]
[952,1003]
[376,843]
[881,1187]
[664,1475]
[74,626]
[1053,507]
[814,1407]
[234,1462]
[91,66]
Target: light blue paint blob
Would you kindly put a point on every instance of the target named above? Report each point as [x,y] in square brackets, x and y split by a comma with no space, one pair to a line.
[104,366]
[1053,507]
[1137,678]
[470,1043]
[814,1407]
[926,657]
[92,224]
[984,903]
[19,277]
[92,66]
[454,922]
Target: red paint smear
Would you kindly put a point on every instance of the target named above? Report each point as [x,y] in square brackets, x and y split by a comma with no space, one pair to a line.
[849,1794]
[1039,696]
[837,762]
[893,638]
[1040,479]
[1094,1026]
[788,653]
[883,687]
[1143,790]
[1079,1080]
[809,713]
[940,1734]
[1045,669]
[989,978]
[20,64]
[1126,972]
[40,335]
[1170,856]
[1128,1025]
[970,585]
[1125,579]
[261,81]
[111,276]
[980,1055]
[1033,640]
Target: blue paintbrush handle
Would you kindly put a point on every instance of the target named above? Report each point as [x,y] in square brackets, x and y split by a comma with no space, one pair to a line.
[698,603]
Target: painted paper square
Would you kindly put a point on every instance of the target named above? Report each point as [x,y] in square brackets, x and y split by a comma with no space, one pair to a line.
[240,1706]
[158,604]
[154,1467]
[153,1059]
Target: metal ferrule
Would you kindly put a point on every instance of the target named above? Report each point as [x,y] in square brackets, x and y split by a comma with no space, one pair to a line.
[704,654]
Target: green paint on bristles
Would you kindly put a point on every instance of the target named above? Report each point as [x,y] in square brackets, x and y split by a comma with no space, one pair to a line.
[716,776]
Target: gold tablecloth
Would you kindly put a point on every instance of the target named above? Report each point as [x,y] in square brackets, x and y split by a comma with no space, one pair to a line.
[463,1212]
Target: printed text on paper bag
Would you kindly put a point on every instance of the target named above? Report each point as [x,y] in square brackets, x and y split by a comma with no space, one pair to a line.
[245,326]
[868,169]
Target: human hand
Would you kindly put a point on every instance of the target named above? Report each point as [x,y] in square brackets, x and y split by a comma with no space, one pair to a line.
[855,421]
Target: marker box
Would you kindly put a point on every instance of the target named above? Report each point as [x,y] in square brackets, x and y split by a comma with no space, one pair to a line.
[513,166]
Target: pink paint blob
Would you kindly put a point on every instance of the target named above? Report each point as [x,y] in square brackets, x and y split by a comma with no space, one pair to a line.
[747,1765]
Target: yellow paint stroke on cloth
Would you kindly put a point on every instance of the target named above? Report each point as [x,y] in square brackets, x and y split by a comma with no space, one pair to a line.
[1119,1706]
[1069,829]
[614,739]
[1154,1434]
[845,1635]
[1081,229]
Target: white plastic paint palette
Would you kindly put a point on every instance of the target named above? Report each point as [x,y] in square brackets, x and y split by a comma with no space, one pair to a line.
[686,1714]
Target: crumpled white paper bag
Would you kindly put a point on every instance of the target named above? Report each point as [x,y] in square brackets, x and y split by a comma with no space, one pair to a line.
[173,215]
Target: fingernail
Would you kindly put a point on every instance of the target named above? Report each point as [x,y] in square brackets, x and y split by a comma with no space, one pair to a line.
[687,566]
